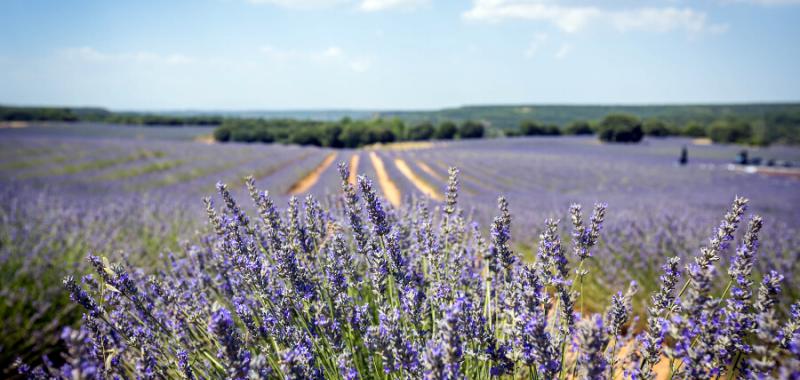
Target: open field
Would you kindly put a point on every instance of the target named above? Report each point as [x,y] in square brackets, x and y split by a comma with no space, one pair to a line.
[135,195]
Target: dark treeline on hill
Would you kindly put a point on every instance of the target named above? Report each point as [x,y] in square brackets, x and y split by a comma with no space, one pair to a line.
[757,124]
[621,127]
[345,133]
[37,114]
[508,117]
[102,116]
[146,119]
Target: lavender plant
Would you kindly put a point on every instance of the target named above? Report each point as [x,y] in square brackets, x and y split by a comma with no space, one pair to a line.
[367,291]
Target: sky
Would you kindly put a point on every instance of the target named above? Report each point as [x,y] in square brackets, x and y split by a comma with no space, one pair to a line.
[395,54]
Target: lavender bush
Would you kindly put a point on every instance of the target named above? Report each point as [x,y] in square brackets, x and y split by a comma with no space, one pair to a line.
[367,291]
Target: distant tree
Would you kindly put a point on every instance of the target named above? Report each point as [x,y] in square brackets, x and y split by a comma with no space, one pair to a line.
[694,129]
[534,128]
[262,134]
[620,128]
[351,135]
[579,128]
[656,128]
[421,132]
[447,130]
[305,136]
[243,135]
[381,134]
[329,135]
[471,130]
[531,128]
[397,126]
[552,130]
[222,134]
[730,131]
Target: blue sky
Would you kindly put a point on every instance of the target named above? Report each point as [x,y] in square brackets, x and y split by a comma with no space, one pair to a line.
[395,54]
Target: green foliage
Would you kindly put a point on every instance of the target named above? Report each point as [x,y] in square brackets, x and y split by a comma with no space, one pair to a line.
[345,133]
[656,128]
[534,128]
[447,130]
[101,115]
[305,136]
[579,128]
[508,117]
[694,129]
[471,130]
[730,131]
[782,128]
[421,132]
[222,134]
[622,128]
[36,114]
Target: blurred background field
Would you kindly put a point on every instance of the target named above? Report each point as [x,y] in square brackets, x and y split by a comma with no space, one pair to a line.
[118,118]
[135,193]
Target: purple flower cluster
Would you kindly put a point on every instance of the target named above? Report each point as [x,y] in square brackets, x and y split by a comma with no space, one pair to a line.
[366,291]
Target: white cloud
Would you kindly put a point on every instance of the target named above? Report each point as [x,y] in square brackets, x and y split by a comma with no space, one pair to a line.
[382,5]
[89,54]
[570,19]
[563,51]
[330,55]
[659,19]
[574,18]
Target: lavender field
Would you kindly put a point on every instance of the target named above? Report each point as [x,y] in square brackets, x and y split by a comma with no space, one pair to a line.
[138,201]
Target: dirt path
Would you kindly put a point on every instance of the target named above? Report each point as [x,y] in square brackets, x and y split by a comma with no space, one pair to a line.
[390,190]
[305,183]
[354,168]
[420,183]
[427,169]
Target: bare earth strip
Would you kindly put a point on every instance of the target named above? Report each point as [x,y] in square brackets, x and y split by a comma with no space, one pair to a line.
[305,183]
[423,186]
[427,169]
[390,190]
[354,168]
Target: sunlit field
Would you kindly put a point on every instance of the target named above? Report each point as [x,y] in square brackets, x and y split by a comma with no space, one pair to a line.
[400,190]
[136,199]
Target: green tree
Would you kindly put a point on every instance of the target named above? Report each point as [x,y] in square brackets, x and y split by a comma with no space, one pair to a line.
[694,129]
[351,135]
[471,130]
[531,128]
[243,134]
[421,132]
[579,128]
[730,131]
[305,136]
[620,128]
[447,130]
[380,134]
[656,128]
[263,134]
[222,134]
[329,135]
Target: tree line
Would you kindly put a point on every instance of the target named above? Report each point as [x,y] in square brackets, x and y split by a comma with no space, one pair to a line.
[781,128]
[345,133]
[100,115]
[768,128]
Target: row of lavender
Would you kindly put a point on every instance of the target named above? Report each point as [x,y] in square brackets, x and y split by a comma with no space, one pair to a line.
[660,208]
[370,291]
[61,198]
